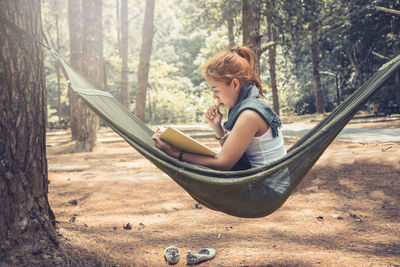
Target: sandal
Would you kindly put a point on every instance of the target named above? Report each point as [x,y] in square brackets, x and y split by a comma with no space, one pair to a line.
[171,255]
[203,254]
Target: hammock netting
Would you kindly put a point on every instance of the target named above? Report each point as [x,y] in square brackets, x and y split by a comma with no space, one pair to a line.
[250,193]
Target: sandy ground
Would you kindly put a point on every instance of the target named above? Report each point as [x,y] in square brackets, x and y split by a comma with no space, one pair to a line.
[344,213]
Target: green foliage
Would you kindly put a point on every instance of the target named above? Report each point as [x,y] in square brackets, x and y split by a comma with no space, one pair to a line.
[53,14]
[173,107]
[52,115]
[173,98]
[189,32]
[346,27]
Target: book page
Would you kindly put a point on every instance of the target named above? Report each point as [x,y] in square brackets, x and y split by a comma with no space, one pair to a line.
[185,143]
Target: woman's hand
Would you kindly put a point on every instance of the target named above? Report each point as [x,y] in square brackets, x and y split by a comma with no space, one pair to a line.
[164,146]
[214,117]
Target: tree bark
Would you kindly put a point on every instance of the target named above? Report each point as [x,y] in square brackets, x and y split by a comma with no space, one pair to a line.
[395,31]
[117,13]
[92,51]
[144,63]
[27,233]
[356,67]
[272,62]
[104,72]
[315,62]
[75,46]
[251,16]
[231,35]
[57,65]
[124,54]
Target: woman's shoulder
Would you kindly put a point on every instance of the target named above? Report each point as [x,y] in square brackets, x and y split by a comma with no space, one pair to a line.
[250,113]
[250,116]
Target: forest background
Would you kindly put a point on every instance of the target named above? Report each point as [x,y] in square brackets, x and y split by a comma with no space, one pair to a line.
[307,48]
[148,54]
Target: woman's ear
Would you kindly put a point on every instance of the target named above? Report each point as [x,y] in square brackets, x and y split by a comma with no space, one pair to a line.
[236,84]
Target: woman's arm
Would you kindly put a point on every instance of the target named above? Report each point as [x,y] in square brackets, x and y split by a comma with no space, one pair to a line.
[248,125]
[214,117]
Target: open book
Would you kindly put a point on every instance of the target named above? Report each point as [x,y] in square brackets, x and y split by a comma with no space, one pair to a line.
[184,142]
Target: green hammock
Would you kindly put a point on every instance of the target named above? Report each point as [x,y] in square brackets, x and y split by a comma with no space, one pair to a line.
[251,193]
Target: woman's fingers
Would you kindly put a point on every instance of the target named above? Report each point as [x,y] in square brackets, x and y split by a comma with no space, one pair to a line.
[218,111]
[213,111]
[209,112]
[156,140]
[213,115]
[157,133]
[209,115]
[160,143]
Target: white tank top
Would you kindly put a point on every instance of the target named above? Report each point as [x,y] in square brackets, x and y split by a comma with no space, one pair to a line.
[265,148]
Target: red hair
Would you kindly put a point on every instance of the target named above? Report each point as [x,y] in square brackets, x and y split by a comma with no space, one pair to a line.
[239,63]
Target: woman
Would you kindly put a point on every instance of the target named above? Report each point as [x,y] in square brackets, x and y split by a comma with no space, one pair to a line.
[252,131]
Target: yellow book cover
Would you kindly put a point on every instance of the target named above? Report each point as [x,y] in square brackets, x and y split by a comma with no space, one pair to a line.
[185,143]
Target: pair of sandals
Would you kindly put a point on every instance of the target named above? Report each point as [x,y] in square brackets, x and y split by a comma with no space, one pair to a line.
[171,255]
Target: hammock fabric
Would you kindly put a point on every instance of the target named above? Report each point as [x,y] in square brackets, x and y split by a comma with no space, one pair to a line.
[251,193]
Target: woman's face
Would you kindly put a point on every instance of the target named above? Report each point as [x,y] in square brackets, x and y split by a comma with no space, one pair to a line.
[226,95]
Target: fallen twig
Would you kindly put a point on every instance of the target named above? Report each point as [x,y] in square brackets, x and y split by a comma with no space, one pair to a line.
[393,11]
[386,148]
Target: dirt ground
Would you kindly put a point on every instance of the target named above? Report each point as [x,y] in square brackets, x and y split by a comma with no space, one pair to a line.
[346,212]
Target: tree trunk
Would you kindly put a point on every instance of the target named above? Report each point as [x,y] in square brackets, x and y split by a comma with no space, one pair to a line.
[356,67]
[92,50]
[75,46]
[27,233]
[117,13]
[231,35]
[395,31]
[144,63]
[104,73]
[251,15]
[124,54]
[57,65]
[272,65]
[315,62]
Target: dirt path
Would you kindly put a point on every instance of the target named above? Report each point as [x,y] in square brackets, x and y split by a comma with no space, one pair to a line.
[382,132]
[345,213]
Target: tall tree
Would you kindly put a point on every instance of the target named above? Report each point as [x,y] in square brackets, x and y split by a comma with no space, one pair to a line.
[251,17]
[217,13]
[75,46]
[272,43]
[57,65]
[92,51]
[302,24]
[118,12]
[355,63]
[396,49]
[231,36]
[124,54]
[230,11]
[144,63]
[314,30]
[272,65]
[27,233]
